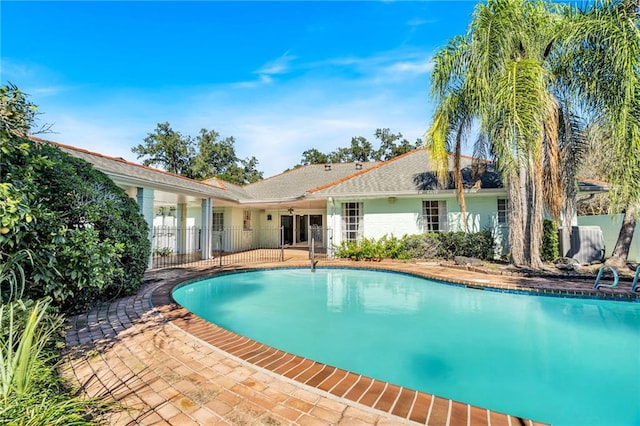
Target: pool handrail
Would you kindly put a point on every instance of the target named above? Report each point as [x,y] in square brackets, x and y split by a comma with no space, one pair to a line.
[634,284]
[597,284]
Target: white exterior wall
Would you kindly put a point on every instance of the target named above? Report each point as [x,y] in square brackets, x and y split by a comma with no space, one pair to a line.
[382,217]
[404,217]
[218,242]
[610,226]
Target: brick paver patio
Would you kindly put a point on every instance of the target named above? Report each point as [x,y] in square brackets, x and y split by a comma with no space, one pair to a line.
[142,353]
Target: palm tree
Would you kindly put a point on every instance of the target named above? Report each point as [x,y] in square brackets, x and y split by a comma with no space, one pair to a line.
[500,76]
[525,73]
[606,36]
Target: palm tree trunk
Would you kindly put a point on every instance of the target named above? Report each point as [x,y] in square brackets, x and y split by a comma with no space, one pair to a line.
[525,216]
[516,219]
[536,230]
[457,177]
[621,250]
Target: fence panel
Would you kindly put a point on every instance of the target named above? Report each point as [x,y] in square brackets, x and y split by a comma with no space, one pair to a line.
[229,245]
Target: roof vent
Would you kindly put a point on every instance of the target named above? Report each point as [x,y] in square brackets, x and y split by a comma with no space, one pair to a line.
[358,166]
[327,167]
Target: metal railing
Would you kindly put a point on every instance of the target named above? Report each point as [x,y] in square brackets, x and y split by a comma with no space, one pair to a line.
[172,246]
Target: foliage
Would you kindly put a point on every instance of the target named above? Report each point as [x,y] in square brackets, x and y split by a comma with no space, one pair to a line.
[31,393]
[550,241]
[443,245]
[361,150]
[163,252]
[17,114]
[422,246]
[529,75]
[168,149]
[26,329]
[202,157]
[12,276]
[86,237]
[475,244]
[511,77]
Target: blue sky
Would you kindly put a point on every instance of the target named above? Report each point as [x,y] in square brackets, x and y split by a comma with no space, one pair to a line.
[280,77]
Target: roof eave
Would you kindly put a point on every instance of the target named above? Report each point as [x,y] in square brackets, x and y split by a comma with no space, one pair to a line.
[408,194]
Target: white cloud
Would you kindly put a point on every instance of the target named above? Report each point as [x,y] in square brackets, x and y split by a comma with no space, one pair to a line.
[417,67]
[273,120]
[281,65]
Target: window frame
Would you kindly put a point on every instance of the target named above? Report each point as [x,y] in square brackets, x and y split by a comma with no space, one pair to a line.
[246,220]
[434,216]
[502,213]
[217,221]
[352,221]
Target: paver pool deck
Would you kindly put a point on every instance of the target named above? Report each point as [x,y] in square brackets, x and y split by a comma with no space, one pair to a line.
[161,365]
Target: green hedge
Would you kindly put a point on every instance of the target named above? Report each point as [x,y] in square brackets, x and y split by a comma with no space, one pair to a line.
[441,245]
[87,238]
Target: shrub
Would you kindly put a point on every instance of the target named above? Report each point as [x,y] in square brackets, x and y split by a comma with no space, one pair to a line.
[480,245]
[421,246]
[365,249]
[445,245]
[87,238]
[550,241]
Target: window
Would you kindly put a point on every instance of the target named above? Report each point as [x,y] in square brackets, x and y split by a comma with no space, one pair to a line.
[503,211]
[218,221]
[246,220]
[351,221]
[434,216]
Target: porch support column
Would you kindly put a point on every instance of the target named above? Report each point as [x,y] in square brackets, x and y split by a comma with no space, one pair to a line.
[181,231]
[144,197]
[207,226]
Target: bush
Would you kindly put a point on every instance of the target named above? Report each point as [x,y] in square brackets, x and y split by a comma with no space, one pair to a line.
[87,238]
[422,246]
[550,241]
[444,245]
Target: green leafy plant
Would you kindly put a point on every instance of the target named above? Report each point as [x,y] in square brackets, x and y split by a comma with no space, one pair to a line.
[26,330]
[31,393]
[164,251]
[550,241]
[444,245]
[88,240]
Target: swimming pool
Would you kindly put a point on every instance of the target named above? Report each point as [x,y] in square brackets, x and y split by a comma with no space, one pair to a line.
[557,360]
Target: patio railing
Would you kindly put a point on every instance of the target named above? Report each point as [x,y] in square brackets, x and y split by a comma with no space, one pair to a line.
[172,246]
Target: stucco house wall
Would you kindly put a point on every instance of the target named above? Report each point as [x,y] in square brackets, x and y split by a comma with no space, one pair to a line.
[403,216]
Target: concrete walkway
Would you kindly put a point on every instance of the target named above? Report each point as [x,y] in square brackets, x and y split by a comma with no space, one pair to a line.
[139,354]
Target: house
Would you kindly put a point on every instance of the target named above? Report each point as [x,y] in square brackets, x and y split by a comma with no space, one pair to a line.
[320,203]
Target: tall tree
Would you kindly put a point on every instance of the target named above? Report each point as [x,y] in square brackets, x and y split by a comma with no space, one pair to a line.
[525,72]
[168,149]
[607,39]
[361,150]
[214,156]
[313,156]
[499,75]
[204,157]
[392,145]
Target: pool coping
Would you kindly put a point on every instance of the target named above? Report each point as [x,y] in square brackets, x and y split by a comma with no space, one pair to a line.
[405,403]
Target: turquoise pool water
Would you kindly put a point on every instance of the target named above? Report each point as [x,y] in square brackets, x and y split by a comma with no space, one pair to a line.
[559,360]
